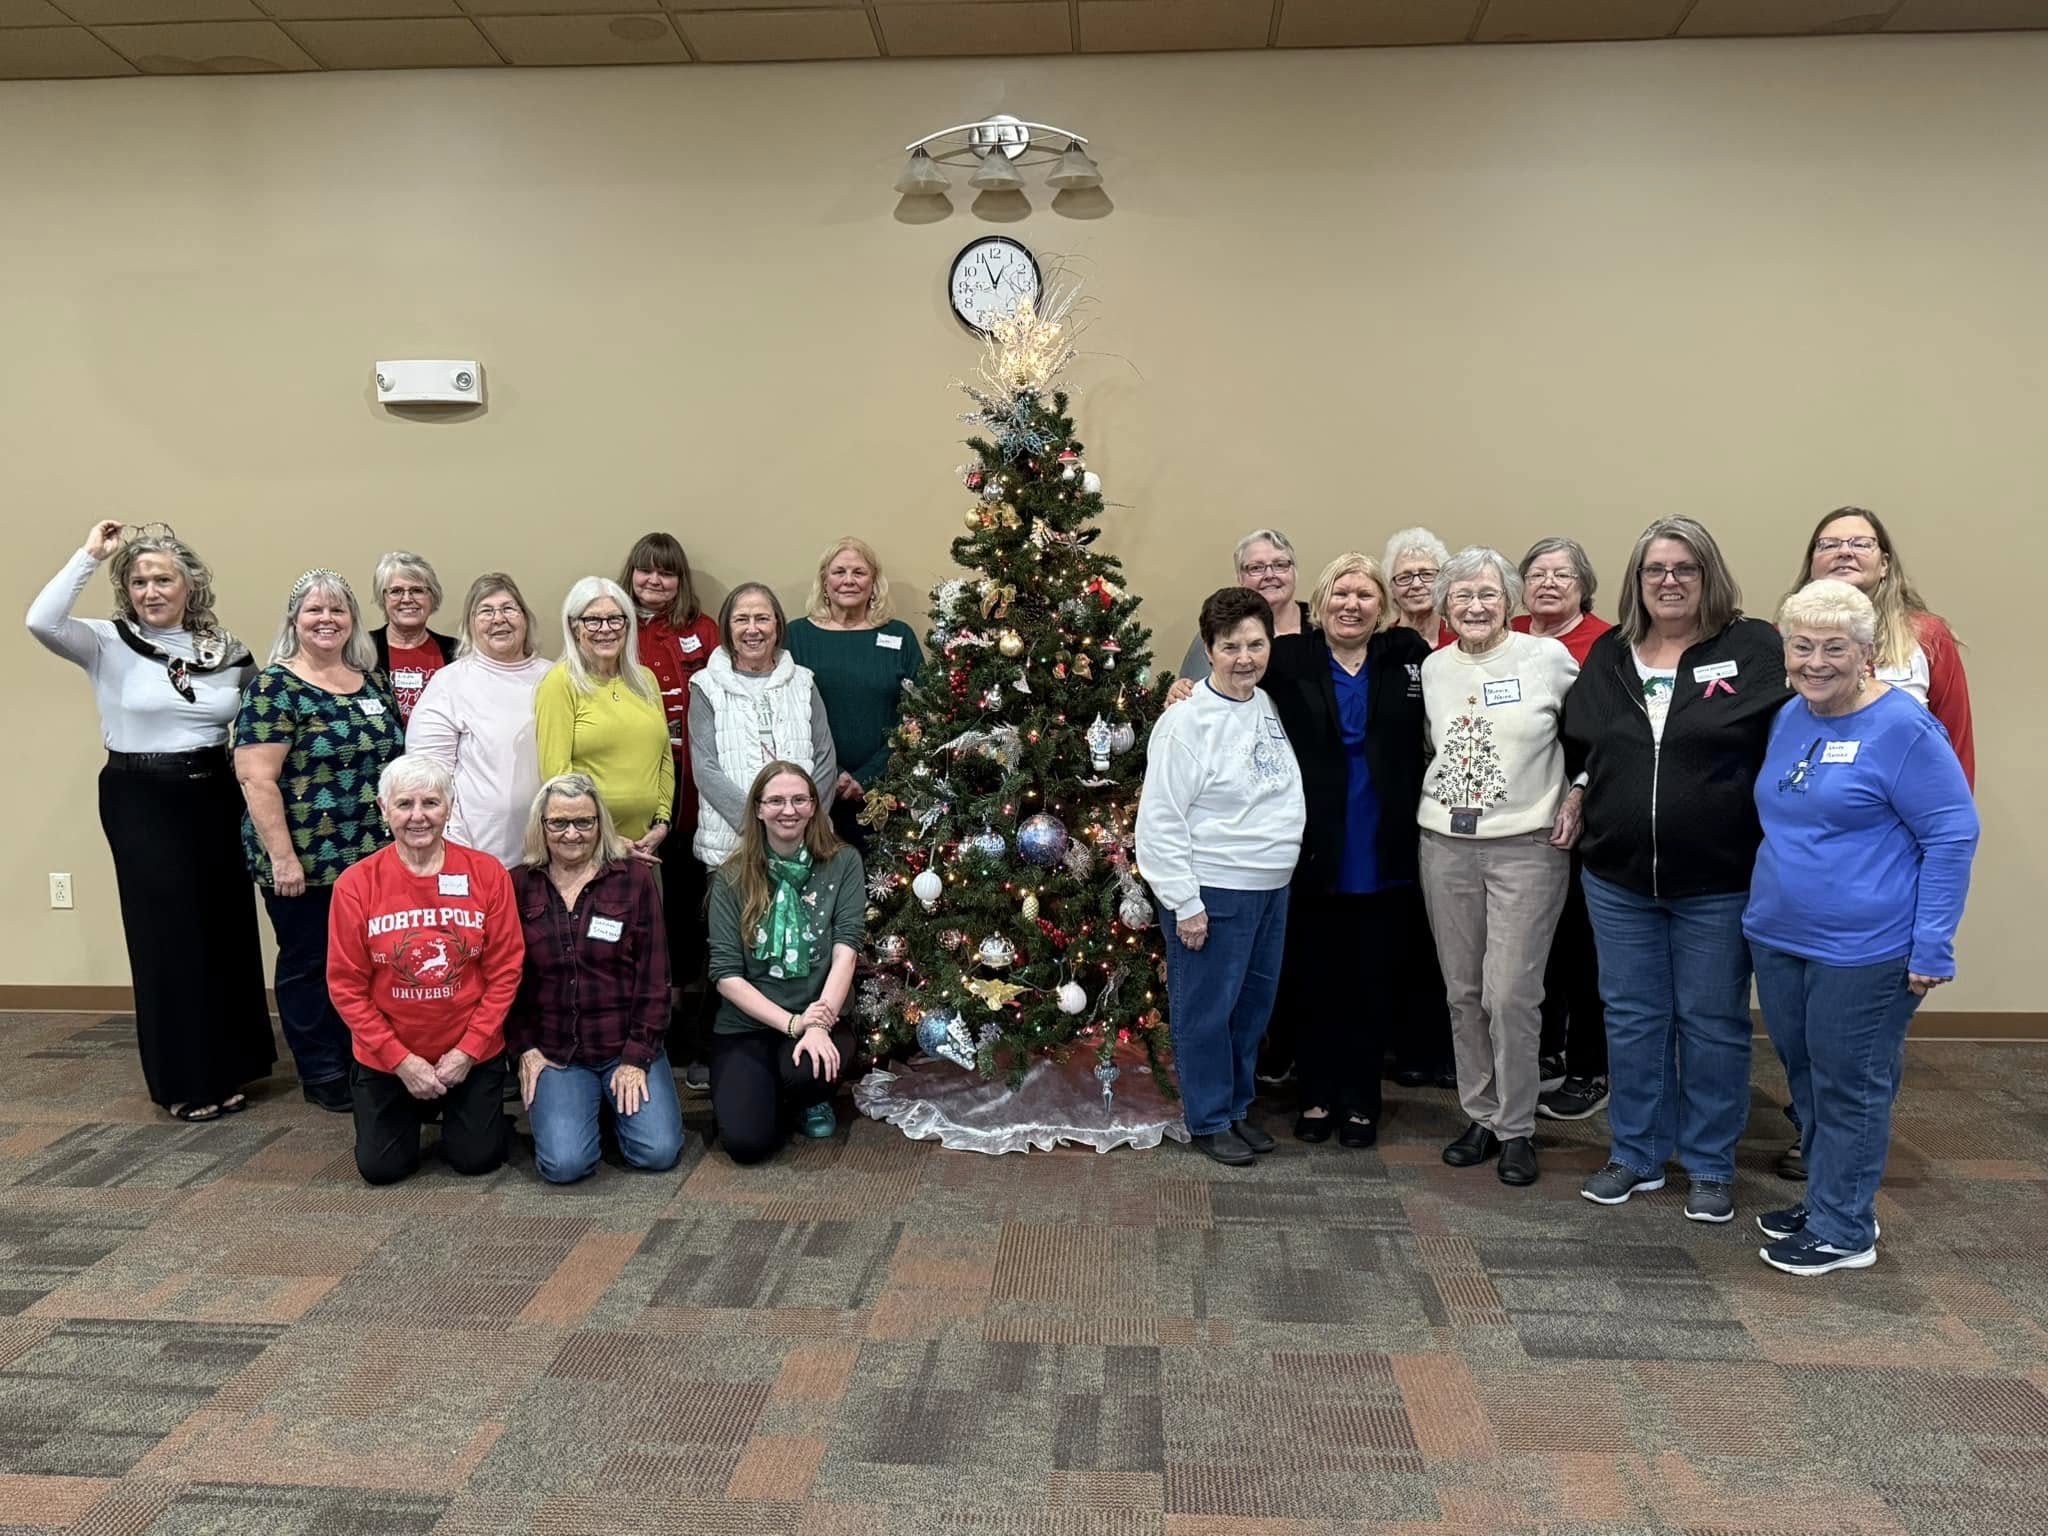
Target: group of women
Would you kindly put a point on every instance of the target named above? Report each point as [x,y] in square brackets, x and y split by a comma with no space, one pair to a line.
[487,872]
[1610,829]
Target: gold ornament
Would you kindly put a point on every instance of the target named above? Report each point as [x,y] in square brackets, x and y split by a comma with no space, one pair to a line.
[1007,516]
[1010,643]
[972,518]
[877,810]
[913,732]
[1082,667]
[1031,906]
[996,993]
[874,914]
[996,600]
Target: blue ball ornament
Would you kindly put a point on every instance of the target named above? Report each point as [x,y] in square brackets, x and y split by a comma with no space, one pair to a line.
[1042,840]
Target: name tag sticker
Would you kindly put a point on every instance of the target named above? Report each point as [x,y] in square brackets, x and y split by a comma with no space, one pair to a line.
[691,644]
[1839,751]
[1507,691]
[370,706]
[409,677]
[1894,674]
[606,929]
[1465,822]
[455,885]
[889,642]
[1713,671]
[1276,731]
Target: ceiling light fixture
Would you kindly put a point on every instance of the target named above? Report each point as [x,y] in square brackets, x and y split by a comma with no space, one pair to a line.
[999,147]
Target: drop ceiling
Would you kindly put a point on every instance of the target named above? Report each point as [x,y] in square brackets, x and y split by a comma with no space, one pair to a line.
[66,39]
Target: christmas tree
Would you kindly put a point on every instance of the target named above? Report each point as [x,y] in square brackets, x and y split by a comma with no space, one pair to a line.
[1006,917]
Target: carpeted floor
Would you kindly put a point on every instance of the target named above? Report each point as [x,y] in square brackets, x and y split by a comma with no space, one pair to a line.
[218,1329]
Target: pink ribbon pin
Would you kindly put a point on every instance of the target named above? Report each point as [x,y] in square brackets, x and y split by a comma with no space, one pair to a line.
[1720,683]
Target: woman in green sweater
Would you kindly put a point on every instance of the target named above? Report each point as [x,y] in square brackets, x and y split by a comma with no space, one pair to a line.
[599,713]
[861,658]
[788,918]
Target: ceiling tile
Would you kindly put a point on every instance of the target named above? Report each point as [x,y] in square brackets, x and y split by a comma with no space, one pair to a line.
[1371,23]
[1167,26]
[1763,18]
[349,10]
[1967,15]
[432,43]
[585,39]
[731,37]
[109,13]
[31,13]
[57,53]
[207,48]
[1560,21]
[556,7]
[756,5]
[929,31]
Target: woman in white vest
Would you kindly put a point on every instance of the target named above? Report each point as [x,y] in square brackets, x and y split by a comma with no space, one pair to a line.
[751,705]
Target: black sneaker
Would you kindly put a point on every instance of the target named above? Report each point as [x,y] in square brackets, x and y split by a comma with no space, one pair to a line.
[696,1077]
[1792,1164]
[1576,1098]
[1790,1222]
[1274,1073]
[1804,1254]
[1613,1184]
[1549,1072]
[332,1094]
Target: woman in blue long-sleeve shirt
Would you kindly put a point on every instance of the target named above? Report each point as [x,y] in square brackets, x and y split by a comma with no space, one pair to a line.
[1869,830]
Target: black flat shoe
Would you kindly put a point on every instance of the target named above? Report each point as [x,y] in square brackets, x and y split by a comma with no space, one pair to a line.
[333,1095]
[1474,1147]
[1224,1148]
[1447,1077]
[1314,1129]
[1357,1133]
[1412,1077]
[1253,1137]
[1517,1161]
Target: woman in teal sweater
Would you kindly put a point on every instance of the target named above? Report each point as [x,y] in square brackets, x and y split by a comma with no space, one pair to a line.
[861,658]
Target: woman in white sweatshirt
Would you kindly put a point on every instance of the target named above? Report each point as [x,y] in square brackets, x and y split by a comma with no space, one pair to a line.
[1495,827]
[1219,831]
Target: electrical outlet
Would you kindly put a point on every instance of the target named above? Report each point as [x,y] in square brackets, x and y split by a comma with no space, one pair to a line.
[60,893]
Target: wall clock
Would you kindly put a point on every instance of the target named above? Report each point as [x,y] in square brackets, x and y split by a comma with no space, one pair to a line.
[990,277]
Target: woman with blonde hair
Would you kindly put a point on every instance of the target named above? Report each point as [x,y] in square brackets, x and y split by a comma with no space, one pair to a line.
[860,658]
[599,713]
[788,918]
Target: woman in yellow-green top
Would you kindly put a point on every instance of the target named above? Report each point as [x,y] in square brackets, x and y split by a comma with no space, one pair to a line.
[599,713]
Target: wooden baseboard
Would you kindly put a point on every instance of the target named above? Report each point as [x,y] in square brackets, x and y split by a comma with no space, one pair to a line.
[1927,1026]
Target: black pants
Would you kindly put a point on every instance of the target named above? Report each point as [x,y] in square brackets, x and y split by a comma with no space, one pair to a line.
[1341,1028]
[318,1039]
[758,1089]
[1422,1021]
[474,1131]
[846,822]
[1574,1020]
[683,888]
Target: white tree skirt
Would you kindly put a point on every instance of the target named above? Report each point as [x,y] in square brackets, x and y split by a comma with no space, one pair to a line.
[935,1100]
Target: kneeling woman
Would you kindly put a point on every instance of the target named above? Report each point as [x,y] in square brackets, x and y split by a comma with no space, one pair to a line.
[588,1027]
[788,916]
[423,960]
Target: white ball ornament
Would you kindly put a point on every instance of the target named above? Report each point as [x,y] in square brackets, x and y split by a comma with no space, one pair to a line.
[1091,484]
[1072,999]
[927,888]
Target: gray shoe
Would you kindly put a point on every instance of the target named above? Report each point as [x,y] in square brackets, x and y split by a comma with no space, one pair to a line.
[1613,1184]
[696,1078]
[1709,1200]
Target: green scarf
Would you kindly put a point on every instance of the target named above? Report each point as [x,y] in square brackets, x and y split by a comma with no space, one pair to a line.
[784,939]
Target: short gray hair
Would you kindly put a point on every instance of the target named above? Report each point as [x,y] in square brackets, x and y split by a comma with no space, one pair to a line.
[1414,541]
[1572,550]
[1271,536]
[1830,604]
[403,562]
[611,848]
[1467,564]
[414,771]
[359,652]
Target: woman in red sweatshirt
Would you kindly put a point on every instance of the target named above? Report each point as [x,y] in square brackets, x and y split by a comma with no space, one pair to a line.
[424,949]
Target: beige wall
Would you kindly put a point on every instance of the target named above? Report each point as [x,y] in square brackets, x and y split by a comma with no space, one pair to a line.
[1503,291]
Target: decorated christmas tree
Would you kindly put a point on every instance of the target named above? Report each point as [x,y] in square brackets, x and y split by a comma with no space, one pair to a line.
[1007,919]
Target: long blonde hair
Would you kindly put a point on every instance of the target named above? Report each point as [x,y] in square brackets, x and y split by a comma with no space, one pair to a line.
[747,870]
[1895,601]
[818,603]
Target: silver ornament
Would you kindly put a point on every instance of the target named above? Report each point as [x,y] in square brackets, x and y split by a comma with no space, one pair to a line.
[1107,1073]
[891,948]
[1133,912]
[1079,860]
[943,1034]
[1122,737]
[996,952]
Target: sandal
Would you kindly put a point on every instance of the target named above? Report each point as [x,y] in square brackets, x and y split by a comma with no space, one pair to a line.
[234,1103]
[194,1113]
[1314,1129]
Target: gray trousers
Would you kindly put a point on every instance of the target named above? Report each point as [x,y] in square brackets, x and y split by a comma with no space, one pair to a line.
[1493,904]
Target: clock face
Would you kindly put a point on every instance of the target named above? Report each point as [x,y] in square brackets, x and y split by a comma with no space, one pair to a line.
[990,278]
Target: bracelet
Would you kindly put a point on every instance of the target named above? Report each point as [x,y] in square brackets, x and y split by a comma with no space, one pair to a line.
[789,1027]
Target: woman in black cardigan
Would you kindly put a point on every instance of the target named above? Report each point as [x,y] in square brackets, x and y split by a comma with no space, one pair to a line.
[1353,712]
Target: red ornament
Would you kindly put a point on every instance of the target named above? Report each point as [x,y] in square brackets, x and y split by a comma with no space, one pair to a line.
[1105,590]
[974,479]
[957,681]
[1068,457]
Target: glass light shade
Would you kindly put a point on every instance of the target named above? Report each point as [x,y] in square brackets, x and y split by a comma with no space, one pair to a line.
[996,174]
[921,177]
[1074,171]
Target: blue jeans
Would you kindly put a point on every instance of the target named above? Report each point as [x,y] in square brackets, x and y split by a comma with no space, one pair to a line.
[1219,999]
[1841,1032]
[319,1041]
[568,1104]
[1674,976]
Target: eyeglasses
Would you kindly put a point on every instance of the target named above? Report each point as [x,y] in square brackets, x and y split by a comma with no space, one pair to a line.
[503,611]
[1551,578]
[1832,650]
[788,803]
[1268,568]
[1482,597]
[1685,574]
[391,592]
[1415,578]
[1863,544]
[562,825]
[603,621]
[130,532]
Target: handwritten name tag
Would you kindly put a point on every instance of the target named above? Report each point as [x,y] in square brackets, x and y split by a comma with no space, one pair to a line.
[691,644]
[370,706]
[606,929]
[1839,752]
[889,642]
[1507,691]
[455,885]
[409,677]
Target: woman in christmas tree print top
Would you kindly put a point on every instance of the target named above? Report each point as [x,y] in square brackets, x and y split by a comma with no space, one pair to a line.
[1218,835]
[1663,735]
[788,918]
[861,659]
[1492,860]
[314,732]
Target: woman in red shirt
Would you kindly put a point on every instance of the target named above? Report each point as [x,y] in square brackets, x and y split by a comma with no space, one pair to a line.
[677,638]
[424,950]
